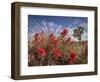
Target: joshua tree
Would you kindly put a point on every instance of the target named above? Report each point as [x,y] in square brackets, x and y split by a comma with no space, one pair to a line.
[78,32]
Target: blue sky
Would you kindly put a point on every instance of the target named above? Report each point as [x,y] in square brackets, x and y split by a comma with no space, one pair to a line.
[55,24]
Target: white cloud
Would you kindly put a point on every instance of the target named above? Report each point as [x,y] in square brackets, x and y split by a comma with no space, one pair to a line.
[58,29]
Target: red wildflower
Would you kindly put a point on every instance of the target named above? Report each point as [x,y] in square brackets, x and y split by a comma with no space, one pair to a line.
[53,39]
[52,35]
[70,61]
[42,52]
[39,40]
[42,39]
[72,58]
[36,35]
[64,32]
[57,52]
[35,43]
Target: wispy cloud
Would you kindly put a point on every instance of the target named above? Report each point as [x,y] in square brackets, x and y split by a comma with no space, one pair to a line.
[51,27]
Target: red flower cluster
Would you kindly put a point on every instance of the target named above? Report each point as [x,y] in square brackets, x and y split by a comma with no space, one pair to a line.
[39,40]
[53,40]
[36,41]
[42,52]
[64,32]
[53,50]
[36,35]
[72,58]
[57,52]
